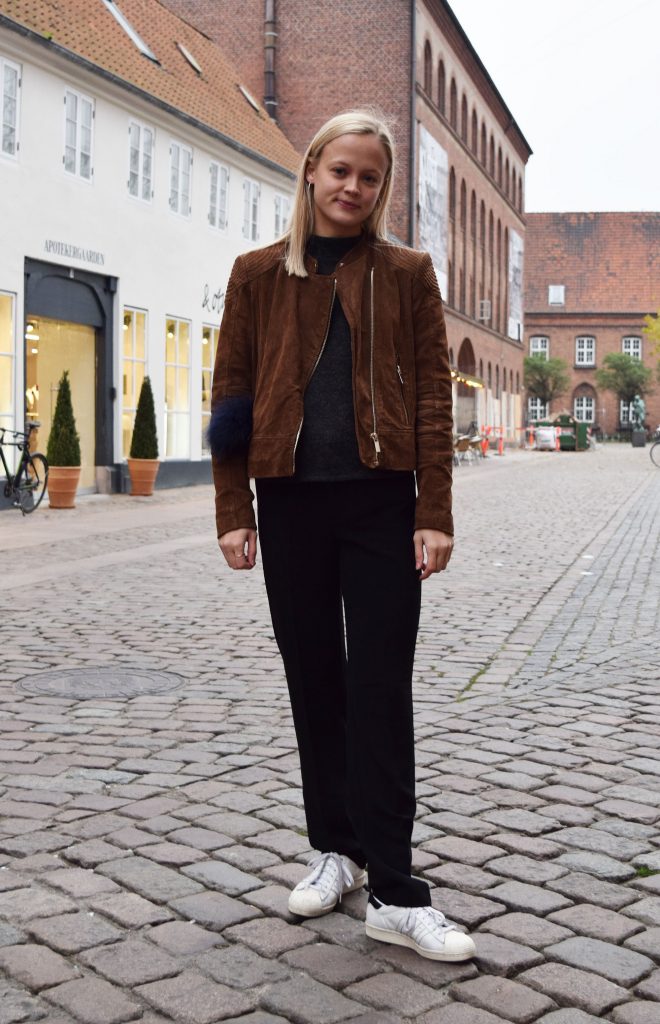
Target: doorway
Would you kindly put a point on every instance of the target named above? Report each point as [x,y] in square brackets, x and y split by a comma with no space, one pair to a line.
[53,346]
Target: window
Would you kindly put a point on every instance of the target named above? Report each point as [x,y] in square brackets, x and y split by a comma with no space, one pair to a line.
[130,31]
[632,346]
[133,370]
[209,348]
[428,69]
[474,141]
[464,119]
[491,157]
[625,409]
[10,84]
[219,188]
[140,161]
[453,104]
[251,192]
[484,144]
[79,119]
[282,211]
[536,409]
[585,351]
[177,389]
[441,87]
[7,360]
[539,346]
[180,178]
[556,294]
[583,408]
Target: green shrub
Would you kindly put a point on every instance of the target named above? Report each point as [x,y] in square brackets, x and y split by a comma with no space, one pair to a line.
[63,440]
[144,443]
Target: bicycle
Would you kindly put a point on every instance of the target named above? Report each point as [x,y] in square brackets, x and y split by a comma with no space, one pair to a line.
[27,486]
[655,449]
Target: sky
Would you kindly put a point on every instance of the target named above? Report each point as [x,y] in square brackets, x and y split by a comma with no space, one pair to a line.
[582,80]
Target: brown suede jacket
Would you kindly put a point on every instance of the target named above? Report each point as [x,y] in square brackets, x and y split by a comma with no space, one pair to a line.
[272,336]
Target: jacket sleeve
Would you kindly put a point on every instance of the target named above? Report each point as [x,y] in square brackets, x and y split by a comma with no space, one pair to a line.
[232,380]
[434,421]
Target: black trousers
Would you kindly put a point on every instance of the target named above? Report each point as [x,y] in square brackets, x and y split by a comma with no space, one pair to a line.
[335,551]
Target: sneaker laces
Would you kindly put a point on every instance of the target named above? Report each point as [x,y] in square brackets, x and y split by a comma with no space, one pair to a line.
[429,920]
[328,869]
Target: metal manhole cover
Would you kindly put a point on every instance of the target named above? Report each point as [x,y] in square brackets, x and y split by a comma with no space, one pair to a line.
[109,683]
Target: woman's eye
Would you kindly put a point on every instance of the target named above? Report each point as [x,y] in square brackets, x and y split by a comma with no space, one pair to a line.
[339,170]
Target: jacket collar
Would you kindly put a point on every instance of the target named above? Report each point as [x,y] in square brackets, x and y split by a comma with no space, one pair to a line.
[358,252]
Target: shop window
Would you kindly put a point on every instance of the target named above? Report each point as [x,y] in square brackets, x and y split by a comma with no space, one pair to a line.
[218,195]
[251,193]
[134,354]
[181,160]
[78,134]
[585,351]
[537,409]
[209,348]
[140,161]
[583,408]
[6,360]
[539,345]
[282,212]
[632,346]
[177,389]
[10,84]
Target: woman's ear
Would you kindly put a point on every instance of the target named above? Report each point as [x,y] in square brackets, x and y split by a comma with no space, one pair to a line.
[309,173]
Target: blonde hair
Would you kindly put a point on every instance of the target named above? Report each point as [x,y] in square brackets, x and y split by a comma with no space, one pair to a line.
[301,225]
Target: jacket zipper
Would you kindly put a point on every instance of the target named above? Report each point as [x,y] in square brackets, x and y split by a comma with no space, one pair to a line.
[403,397]
[318,359]
[374,434]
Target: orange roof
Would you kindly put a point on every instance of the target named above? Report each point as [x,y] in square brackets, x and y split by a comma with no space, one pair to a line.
[608,262]
[89,30]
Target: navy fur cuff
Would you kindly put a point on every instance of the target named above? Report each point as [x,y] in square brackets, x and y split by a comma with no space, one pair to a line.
[230,428]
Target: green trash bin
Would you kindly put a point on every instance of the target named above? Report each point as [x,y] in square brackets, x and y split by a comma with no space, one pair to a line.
[567,425]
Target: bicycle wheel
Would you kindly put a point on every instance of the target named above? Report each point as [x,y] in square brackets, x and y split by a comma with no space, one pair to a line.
[32,486]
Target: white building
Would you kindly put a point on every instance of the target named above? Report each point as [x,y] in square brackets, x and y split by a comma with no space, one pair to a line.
[134,168]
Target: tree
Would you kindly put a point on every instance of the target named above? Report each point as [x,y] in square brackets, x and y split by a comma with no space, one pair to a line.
[545,379]
[144,443]
[625,376]
[652,332]
[63,441]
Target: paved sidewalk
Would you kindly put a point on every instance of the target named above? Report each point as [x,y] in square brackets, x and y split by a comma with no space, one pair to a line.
[148,844]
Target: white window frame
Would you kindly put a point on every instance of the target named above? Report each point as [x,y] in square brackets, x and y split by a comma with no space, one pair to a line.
[16,68]
[133,360]
[631,345]
[584,408]
[144,174]
[218,195]
[178,413]
[282,214]
[210,335]
[625,410]
[77,171]
[536,409]
[251,209]
[539,345]
[178,204]
[585,350]
[556,294]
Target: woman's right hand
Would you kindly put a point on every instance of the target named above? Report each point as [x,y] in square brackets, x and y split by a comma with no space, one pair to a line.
[239,548]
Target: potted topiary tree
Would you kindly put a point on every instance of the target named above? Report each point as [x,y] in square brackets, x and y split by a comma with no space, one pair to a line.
[143,457]
[63,452]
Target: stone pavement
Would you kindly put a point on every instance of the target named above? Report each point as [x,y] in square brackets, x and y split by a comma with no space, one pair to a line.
[148,844]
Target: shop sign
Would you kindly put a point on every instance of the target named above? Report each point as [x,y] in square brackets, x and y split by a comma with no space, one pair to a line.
[74,252]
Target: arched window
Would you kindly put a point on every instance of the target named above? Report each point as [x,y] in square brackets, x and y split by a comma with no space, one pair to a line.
[441,86]
[482,251]
[473,268]
[505,304]
[450,283]
[511,381]
[491,157]
[452,195]
[481,369]
[464,119]
[473,217]
[517,382]
[506,176]
[490,376]
[484,143]
[491,262]
[453,104]
[498,305]
[520,193]
[497,382]
[463,205]
[462,270]
[451,357]
[499,166]
[428,69]
[474,140]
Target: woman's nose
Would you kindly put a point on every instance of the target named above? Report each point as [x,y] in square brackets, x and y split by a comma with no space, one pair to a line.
[351,185]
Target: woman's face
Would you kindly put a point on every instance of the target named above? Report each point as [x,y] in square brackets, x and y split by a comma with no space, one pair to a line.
[347,177]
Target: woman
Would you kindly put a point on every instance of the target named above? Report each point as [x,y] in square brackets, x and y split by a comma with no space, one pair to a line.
[332,390]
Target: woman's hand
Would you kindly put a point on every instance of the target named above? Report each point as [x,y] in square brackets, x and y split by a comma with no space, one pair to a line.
[239,548]
[437,547]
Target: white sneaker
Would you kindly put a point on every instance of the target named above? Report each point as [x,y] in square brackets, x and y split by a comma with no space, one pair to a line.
[332,875]
[423,929]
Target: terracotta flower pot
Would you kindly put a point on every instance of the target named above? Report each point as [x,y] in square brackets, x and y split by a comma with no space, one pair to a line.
[62,486]
[143,473]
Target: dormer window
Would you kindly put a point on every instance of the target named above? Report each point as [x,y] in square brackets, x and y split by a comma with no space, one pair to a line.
[135,38]
[556,294]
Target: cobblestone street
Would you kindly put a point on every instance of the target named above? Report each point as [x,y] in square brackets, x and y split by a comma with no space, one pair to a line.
[148,844]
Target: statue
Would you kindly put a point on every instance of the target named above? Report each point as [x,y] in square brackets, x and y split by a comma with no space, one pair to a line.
[638,413]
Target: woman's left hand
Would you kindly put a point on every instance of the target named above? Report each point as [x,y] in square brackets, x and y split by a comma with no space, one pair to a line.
[433,550]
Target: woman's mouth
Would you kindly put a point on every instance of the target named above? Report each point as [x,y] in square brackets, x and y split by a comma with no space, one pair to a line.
[346,205]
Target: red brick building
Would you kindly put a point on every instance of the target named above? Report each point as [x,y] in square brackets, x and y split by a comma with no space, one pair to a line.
[590,280]
[460,184]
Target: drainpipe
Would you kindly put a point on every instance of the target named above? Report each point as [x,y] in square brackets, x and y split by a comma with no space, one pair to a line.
[412,152]
[270,44]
